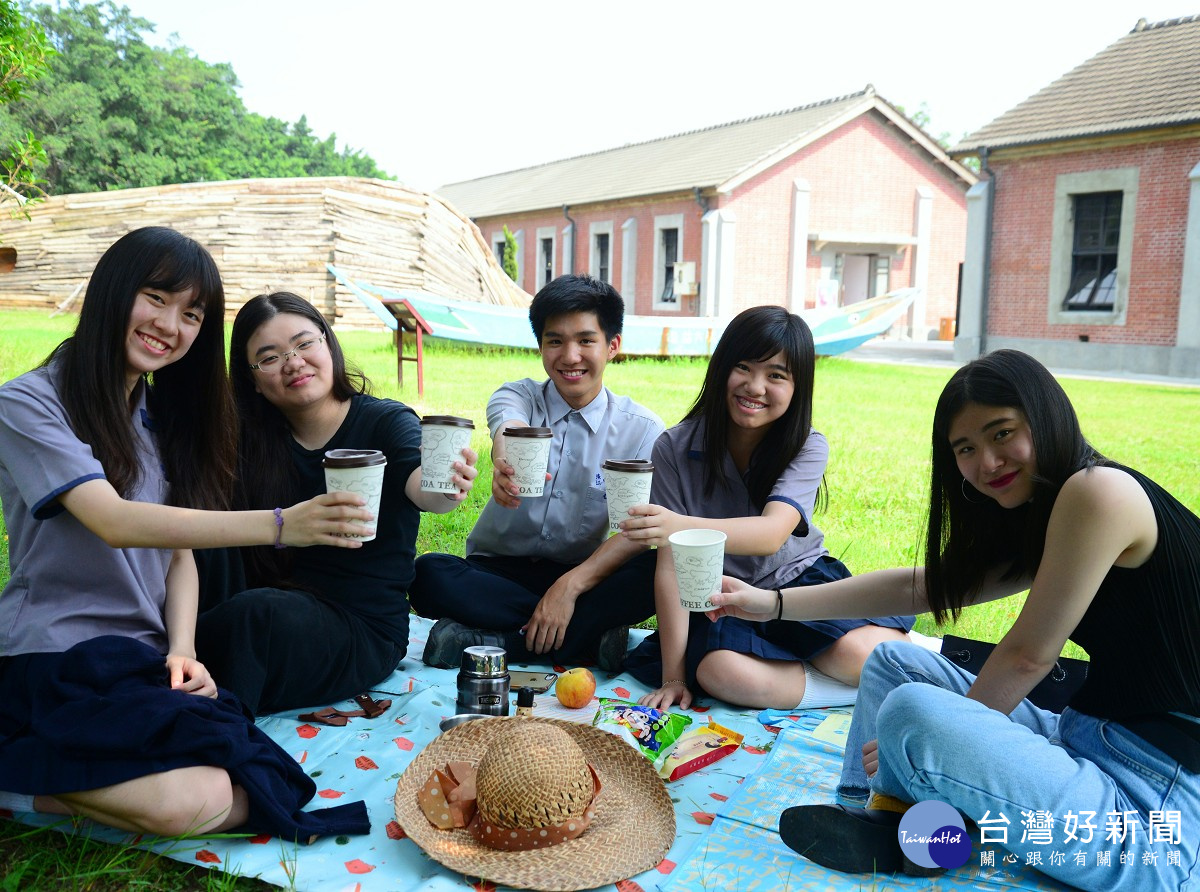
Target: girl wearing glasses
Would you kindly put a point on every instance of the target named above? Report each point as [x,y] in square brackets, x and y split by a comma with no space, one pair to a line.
[319,625]
[116,459]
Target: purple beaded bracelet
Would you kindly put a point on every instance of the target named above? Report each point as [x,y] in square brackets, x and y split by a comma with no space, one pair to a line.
[279,528]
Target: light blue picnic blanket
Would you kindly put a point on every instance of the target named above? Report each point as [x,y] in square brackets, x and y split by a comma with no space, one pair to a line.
[726,814]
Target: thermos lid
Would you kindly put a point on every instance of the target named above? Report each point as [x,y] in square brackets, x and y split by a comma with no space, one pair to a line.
[484,661]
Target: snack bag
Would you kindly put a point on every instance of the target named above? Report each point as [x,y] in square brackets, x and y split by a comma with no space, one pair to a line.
[650,731]
[699,747]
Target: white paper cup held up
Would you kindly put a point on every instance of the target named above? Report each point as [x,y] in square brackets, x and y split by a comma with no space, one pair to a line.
[528,451]
[443,438]
[626,483]
[358,471]
[699,557]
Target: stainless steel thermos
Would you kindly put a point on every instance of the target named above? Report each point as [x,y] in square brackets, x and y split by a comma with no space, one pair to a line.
[483,681]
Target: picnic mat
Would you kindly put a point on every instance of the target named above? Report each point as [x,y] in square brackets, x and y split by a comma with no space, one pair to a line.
[726,814]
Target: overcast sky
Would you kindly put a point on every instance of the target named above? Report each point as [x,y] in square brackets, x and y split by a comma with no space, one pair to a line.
[438,92]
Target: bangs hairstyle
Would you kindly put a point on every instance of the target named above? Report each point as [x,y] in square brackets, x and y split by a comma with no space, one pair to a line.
[265,475]
[756,335]
[578,294]
[188,399]
[968,537]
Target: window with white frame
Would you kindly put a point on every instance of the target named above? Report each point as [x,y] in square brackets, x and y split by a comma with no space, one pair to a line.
[1097,236]
[546,239]
[1092,246]
[668,238]
[600,251]
[498,247]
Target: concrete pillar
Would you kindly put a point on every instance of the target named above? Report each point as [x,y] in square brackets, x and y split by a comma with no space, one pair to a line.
[725,304]
[923,232]
[710,225]
[628,262]
[798,252]
[968,343]
[1187,331]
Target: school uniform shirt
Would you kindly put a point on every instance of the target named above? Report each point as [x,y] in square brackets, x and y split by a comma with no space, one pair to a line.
[679,486]
[67,585]
[570,521]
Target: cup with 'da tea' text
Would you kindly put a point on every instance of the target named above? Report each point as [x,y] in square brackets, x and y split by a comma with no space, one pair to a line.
[443,438]
[527,449]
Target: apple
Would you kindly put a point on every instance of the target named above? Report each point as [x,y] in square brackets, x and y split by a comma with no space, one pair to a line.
[575,688]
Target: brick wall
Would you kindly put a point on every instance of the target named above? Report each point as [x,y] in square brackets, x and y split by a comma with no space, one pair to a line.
[1021,242]
[863,179]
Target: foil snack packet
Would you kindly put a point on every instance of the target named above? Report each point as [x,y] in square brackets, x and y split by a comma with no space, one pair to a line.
[652,732]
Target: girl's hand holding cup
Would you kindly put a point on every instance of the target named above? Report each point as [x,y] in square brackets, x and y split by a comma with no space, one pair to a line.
[737,598]
[328,519]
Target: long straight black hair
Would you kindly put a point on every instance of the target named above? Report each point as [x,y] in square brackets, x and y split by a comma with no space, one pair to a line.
[188,400]
[265,475]
[968,537]
[757,334]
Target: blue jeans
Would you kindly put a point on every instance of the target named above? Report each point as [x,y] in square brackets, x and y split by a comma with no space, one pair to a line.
[934,743]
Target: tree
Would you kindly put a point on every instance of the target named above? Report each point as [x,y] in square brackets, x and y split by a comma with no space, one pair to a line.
[115,112]
[24,55]
[510,255]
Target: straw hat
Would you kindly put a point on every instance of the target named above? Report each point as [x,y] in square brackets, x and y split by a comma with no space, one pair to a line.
[632,818]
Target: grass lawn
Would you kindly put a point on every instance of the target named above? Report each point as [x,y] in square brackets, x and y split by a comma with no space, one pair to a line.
[877,420]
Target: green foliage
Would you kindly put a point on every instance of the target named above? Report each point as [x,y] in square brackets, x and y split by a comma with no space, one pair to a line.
[24,55]
[510,255]
[114,112]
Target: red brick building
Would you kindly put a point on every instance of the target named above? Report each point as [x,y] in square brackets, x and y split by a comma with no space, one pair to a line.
[822,205]
[1084,237]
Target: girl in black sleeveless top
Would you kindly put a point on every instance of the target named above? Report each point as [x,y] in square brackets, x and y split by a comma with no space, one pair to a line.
[1019,499]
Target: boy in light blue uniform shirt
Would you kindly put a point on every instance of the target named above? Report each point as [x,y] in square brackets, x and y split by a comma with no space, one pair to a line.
[540,578]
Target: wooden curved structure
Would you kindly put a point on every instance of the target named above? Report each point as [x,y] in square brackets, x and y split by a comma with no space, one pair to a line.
[267,235]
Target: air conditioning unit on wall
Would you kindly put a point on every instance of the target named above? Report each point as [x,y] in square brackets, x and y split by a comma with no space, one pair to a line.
[685,278]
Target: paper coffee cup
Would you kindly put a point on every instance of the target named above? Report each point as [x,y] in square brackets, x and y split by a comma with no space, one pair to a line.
[528,451]
[626,483]
[359,471]
[443,438]
[699,557]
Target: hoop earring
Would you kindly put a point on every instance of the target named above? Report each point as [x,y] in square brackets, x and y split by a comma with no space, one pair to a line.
[966,497]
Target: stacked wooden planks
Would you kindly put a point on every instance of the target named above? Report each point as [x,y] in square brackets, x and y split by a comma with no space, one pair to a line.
[267,235]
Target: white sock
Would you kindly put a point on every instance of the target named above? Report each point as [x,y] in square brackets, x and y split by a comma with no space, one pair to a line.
[16,801]
[821,690]
[933,644]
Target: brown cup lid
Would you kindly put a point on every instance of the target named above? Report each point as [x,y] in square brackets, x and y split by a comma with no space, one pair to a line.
[354,458]
[448,421]
[531,432]
[634,465]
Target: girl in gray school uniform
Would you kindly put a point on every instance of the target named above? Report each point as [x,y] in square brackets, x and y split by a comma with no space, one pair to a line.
[114,455]
[746,461]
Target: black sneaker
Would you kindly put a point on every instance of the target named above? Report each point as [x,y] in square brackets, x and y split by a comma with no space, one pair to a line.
[447,639]
[848,839]
[614,644]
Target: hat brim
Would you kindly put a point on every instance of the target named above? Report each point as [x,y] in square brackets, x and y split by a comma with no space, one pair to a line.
[633,828]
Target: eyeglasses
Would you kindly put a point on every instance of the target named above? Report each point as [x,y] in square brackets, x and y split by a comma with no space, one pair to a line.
[275,360]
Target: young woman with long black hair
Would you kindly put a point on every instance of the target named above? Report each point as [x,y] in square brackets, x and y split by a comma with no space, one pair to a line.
[115,458]
[746,461]
[318,625]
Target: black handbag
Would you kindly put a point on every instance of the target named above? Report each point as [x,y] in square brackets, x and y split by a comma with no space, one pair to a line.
[1053,692]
